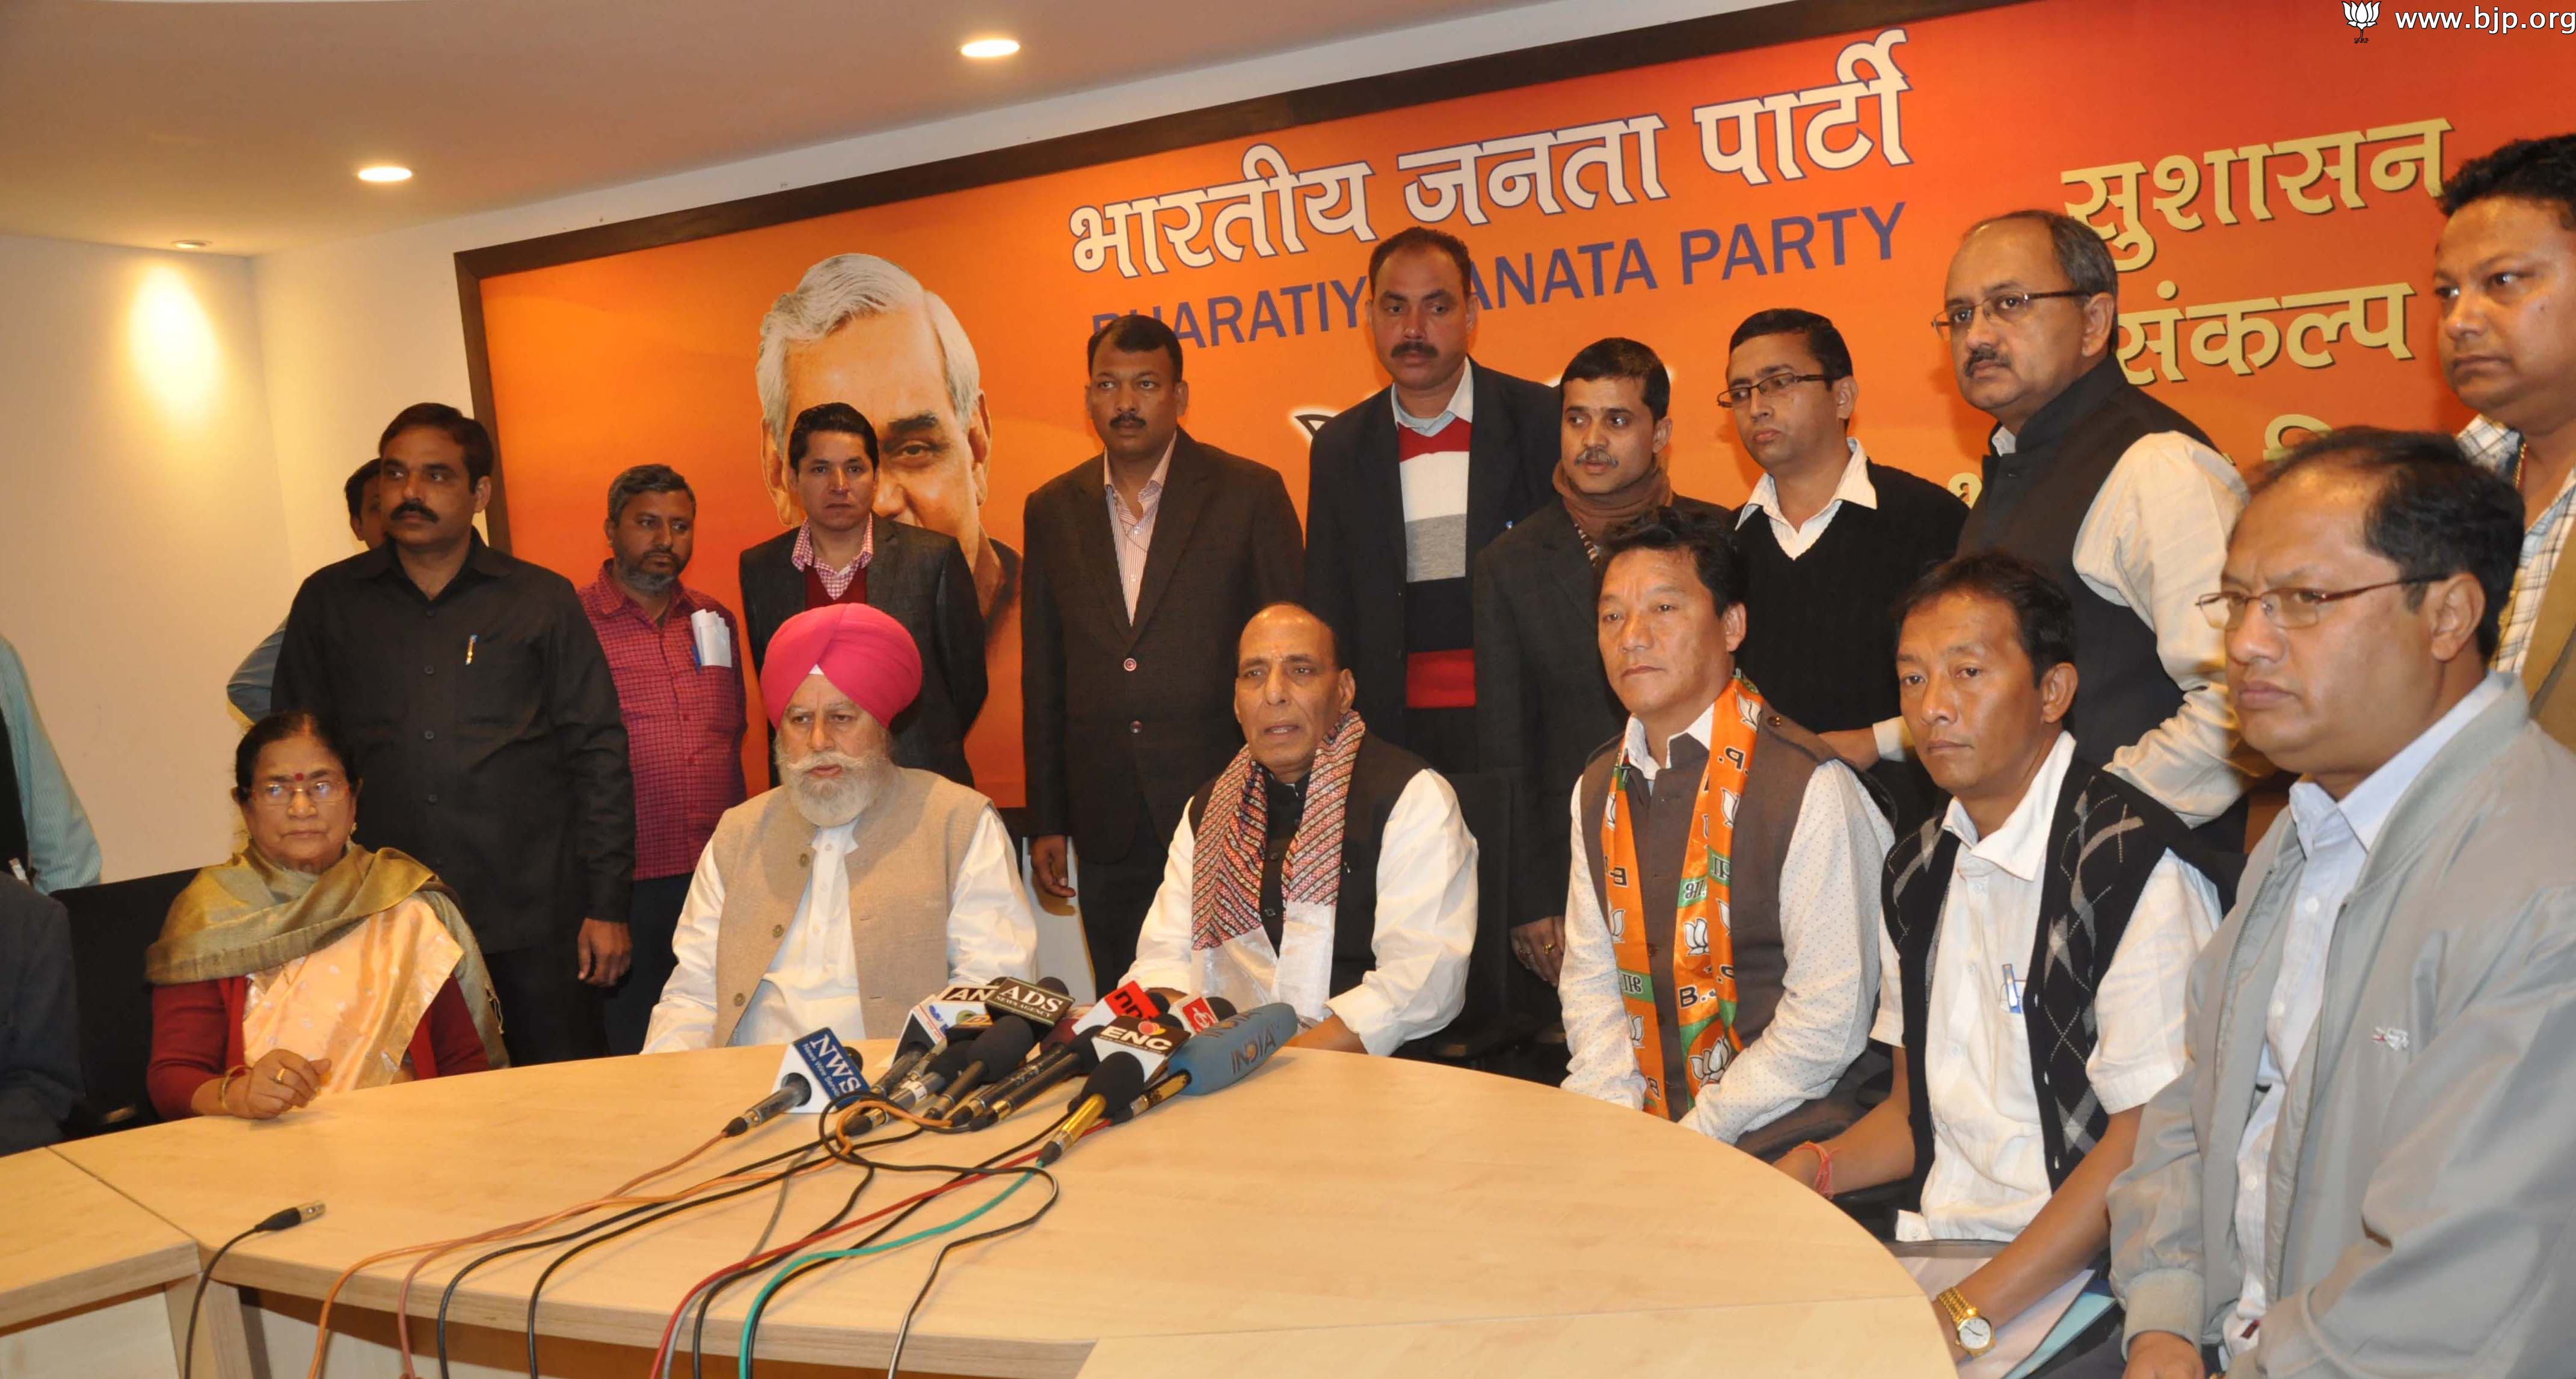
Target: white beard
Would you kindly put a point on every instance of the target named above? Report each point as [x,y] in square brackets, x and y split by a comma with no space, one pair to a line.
[831,801]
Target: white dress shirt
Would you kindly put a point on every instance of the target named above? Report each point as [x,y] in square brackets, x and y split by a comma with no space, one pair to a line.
[2153,542]
[1426,923]
[1989,1172]
[2335,836]
[813,979]
[1828,911]
[1794,541]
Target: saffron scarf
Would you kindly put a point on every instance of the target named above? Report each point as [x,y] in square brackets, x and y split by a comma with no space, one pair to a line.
[250,917]
[1225,884]
[1703,946]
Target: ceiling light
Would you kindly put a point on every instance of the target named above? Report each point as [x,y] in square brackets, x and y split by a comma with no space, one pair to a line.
[188,244]
[991,47]
[384,172]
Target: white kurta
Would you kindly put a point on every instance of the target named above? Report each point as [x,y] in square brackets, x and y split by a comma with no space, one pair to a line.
[1426,923]
[813,979]
[1989,1172]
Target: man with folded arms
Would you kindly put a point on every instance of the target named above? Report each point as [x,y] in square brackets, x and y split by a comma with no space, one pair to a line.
[1721,921]
[2037,938]
[1336,873]
[2369,1165]
[857,887]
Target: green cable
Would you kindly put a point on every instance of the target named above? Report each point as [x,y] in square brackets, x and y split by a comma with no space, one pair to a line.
[760,1300]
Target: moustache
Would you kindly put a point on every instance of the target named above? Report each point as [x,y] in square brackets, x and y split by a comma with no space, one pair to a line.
[1126,421]
[1414,349]
[412,510]
[1982,354]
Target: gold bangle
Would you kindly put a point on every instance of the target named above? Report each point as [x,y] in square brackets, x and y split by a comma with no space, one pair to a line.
[224,1086]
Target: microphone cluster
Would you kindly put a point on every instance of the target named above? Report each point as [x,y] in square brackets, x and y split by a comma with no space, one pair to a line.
[975,1055]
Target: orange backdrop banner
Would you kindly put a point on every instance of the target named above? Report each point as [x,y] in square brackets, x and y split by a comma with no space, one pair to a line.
[2267,182]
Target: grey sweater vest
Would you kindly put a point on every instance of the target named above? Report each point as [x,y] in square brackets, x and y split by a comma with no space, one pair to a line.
[904,856]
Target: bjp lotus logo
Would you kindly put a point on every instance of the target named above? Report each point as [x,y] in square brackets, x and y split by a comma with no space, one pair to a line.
[2361,14]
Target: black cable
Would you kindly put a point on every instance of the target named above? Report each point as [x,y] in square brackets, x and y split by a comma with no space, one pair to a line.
[751,1323]
[274,1221]
[449,1296]
[1055,1194]
[537,1289]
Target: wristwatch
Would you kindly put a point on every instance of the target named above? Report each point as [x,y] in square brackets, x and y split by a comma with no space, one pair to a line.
[1976,1335]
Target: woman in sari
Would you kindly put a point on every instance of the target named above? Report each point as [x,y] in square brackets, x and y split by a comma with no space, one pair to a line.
[307,964]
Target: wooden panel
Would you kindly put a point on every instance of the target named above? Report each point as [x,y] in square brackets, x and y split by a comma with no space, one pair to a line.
[73,1241]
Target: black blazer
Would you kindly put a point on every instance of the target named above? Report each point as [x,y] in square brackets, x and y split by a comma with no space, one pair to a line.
[1355,520]
[1122,721]
[919,578]
[1543,704]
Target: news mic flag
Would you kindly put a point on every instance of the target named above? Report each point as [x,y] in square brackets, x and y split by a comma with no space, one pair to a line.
[829,1069]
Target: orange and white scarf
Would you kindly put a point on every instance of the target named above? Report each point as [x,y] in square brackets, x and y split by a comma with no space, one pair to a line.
[1703,946]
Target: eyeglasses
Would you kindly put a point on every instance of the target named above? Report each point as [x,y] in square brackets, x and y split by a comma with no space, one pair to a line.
[1771,388]
[2284,608]
[2003,309]
[276,793]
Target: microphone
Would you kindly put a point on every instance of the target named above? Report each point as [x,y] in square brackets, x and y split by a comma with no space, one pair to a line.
[1002,1046]
[814,1072]
[1227,1053]
[923,1031]
[1117,1082]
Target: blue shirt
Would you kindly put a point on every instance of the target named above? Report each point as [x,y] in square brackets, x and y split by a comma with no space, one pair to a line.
[61,850]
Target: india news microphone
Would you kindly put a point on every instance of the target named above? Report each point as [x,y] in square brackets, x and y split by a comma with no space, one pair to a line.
[816,1071]
[1132,1052]
[1224,1054]
[1064,1052]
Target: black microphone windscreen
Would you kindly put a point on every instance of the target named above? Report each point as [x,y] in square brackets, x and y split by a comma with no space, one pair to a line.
[1119,1080]
[1002,1046]
[1162,1003]
[1221,1007]
[953,1058]
[1056,985]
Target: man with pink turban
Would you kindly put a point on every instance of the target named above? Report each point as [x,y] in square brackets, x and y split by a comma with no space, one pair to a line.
[857,887]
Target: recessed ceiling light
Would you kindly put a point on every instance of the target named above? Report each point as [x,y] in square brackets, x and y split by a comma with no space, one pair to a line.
[384,172]
[991,47]
[187,244]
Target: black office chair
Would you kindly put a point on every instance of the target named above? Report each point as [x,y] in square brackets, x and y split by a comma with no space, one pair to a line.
[1500,991]
[111,927]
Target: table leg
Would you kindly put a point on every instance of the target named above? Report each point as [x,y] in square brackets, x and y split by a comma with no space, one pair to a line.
[223,1342]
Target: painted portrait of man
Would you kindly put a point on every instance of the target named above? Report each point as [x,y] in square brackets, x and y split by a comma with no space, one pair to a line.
[860,330]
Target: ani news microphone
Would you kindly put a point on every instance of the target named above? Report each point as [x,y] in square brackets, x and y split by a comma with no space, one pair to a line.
[1224,1054]
[814,1072]
[996,1050]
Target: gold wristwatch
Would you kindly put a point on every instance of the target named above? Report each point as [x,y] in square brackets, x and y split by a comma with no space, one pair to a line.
[1975,1334]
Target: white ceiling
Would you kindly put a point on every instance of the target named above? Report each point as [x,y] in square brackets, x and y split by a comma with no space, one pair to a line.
[244,123]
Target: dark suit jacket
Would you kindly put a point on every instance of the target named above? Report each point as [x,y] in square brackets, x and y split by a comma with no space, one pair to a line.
[1543,705]
[1122,721]
[919,578]
[1355,520]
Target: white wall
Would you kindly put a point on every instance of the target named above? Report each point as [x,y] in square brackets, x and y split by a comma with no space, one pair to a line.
[140,553]
[356,330]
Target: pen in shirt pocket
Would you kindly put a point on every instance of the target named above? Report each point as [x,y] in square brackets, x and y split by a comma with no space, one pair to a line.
[470,640]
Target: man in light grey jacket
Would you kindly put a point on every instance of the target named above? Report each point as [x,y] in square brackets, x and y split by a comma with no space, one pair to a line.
[2370,1167]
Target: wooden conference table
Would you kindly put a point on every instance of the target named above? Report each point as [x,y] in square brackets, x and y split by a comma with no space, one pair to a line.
[1333,1214]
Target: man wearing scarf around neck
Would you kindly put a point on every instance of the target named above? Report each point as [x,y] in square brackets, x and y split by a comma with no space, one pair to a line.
[1721,922]
[1338,875]
[1542,706]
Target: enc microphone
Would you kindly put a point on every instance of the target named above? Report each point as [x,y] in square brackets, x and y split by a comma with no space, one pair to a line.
[1118,1081]
[814,1072]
